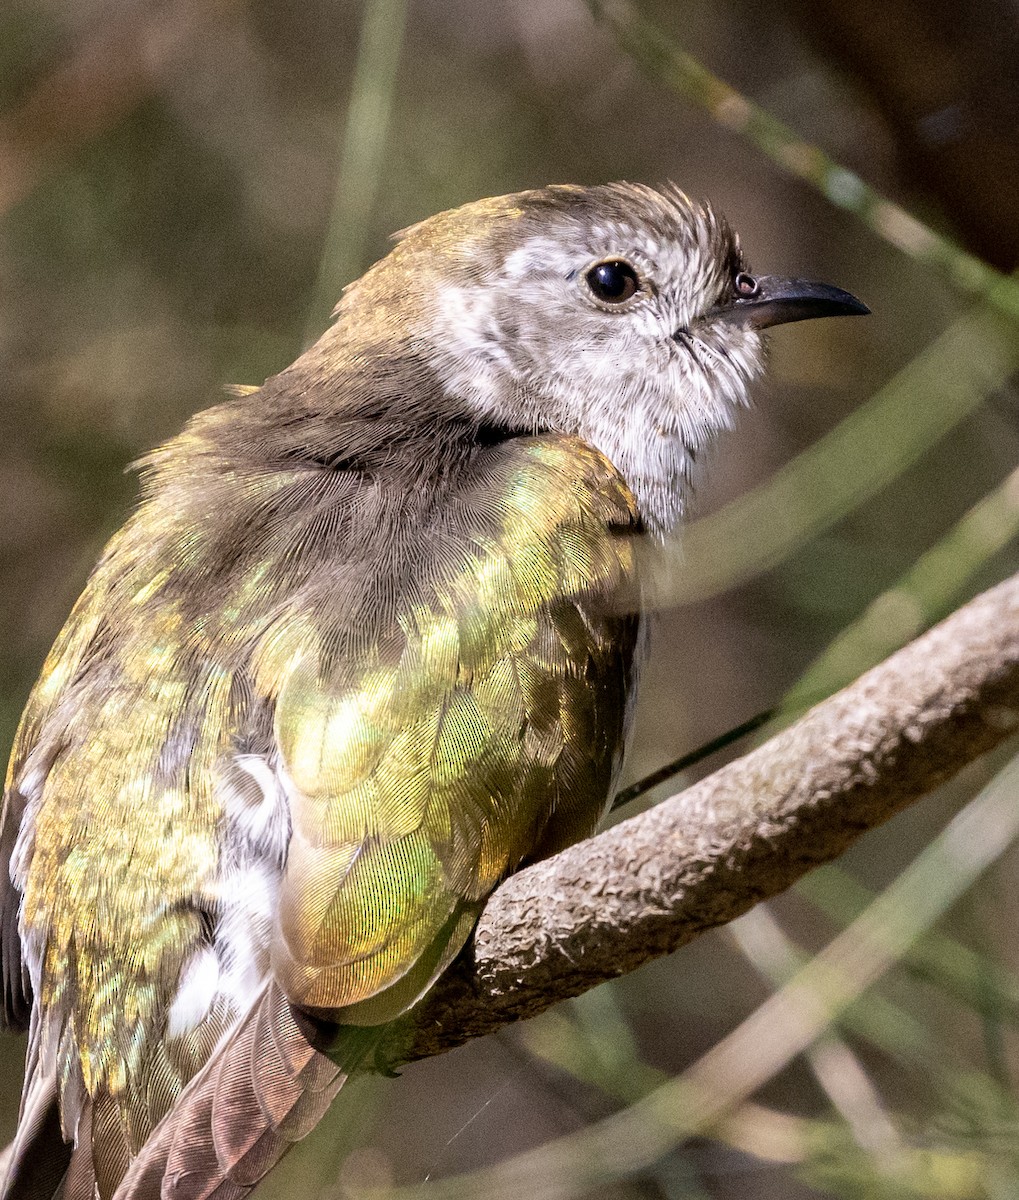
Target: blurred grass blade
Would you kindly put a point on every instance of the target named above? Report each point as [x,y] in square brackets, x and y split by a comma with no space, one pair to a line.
[836,1068]
[361,158]
[630,1142]
[967,976]
[897,1032]
[925,594]
[661,59]
[573,1038]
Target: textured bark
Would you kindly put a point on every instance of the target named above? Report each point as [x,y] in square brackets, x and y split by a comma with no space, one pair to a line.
[653,883]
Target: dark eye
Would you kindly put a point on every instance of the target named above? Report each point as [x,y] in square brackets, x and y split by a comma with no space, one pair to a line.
[613,282]
[746,286]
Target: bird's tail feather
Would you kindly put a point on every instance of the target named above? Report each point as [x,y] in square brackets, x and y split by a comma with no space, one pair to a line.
[36,1161]
[264,1089]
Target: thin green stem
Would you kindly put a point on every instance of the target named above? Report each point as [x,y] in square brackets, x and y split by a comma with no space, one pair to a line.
[924,594]
[661,59]
[362,156]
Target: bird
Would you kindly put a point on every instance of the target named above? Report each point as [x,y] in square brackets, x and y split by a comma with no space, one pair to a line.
[367,644]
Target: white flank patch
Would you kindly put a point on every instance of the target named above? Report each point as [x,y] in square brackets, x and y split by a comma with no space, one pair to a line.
[198,987]
[259,812]
[245,893]
[247,910]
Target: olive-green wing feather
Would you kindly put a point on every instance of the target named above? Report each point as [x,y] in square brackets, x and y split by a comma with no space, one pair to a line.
[490,725]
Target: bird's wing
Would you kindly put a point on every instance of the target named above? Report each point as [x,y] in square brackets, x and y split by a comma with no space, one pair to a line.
[491,724]
[17,987]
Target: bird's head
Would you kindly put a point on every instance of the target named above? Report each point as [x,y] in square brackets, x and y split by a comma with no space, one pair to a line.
[623,313]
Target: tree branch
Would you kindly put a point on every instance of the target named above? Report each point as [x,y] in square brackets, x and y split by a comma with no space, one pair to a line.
[650,884]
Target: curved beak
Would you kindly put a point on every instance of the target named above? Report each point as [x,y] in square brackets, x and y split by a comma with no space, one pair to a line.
[779,300]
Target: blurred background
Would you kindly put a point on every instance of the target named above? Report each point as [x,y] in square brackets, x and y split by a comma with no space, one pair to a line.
[185,186]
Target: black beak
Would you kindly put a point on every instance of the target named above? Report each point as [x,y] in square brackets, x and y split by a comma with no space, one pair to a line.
[764,300]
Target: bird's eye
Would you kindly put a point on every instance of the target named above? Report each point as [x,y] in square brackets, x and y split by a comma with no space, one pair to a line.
[613,282]
[746,286]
